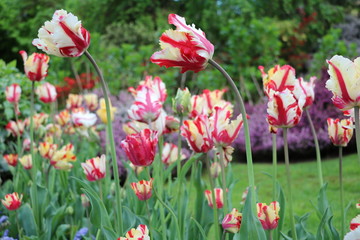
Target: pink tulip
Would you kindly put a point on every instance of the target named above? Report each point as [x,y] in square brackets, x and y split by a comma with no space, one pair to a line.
[268,215]
[218,197]
[15,128]
[46,92]
[306,89]
[142,189]
[232,221]
[13,93]
[95,168]
[12,201]
[278,79]
[156,84]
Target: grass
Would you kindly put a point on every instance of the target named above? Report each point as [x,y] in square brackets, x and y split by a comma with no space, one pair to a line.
[305,187]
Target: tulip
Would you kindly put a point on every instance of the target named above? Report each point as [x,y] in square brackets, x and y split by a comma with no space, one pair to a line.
[197,134]
[147,106]
[268,215]
[218,197]
[232,221]
[74,101]
[358,205]
[146,140]
[38,120]
[170,154]
[215,169]
[134,127]
[95,168]
[205,102]
[53,130]
[63,117]
[62,158]
[306,89]
[101,112]
[91,100]
[26,161]
[181,104]
[355,222]
[172,124]
[284,110]
[142,189]
[26,144]
[140,233]
[156,84]
[63,36]
[353,235]
[83,119]
[136,169]
[186,47]
[35,66]
[47,149]
[15,128]
[11,159]
[278,79]
[12,201]
[224,131]
[46,92]
[343,82]
[13,93]
[340,131]
[85,200]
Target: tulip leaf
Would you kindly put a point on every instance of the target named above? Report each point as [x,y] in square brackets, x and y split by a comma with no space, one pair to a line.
[130,219]
[188,164]
[282,203]
[27,220]
[251,227]
[108,233]
[203,234]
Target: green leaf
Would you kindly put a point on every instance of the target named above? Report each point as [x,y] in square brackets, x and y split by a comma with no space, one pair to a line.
[188,164]
[251,227]
[203,234]
[27,220]
[108,233]
[282,203]
[130,219]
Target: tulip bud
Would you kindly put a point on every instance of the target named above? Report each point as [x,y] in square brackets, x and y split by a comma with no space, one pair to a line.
[142,189]
[12,201]
[85,200]
[11,159]
[181,104]
[13,93]
[69,210]
[232,221]
[35,66]
[218,197]
[215,169]
[268,215]
[26,161]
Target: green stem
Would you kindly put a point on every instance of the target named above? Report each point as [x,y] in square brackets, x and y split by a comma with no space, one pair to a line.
[34,200]
[317,148]
[342,230]
[288,178]
[118,207]
[215,209]
[179,178]
[223,180]
[274,158]
[100,190]
[160,174]
[357,131]
[149,218]
[240,101]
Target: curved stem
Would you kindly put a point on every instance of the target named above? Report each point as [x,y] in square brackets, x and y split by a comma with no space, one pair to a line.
[342,230]
[274,158]
[215,209]
[357,131]
[246,130]
[118,207]
[317,148]
[288,178]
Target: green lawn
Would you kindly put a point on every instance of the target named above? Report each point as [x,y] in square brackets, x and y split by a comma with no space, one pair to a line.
[305,186]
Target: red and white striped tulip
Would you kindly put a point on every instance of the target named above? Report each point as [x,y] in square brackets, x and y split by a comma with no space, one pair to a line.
[278,79]
[170,154]
[215,169]
[62,158]
[91,100]
[140,233]
[38,120]
[268,215]
[46,92]
[13,93]
[142,189]
[343,82]
[35,66]
[81,119]
[12,201]
[156,84]
[74,101]
[186,47]
[224,130]
[340,131]
[95,168]
[15,128]
[197,134]
[232,221]
[306,89]
[63,117]
[355,222]
[284,110]
[26,161]
[47,149]
[353,235]
[147,106]
[205,102]
[11,159]
[145,140]
[63,36]
[219,200]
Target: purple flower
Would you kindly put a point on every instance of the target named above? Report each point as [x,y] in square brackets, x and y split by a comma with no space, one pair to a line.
[5,236]
[81,233]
